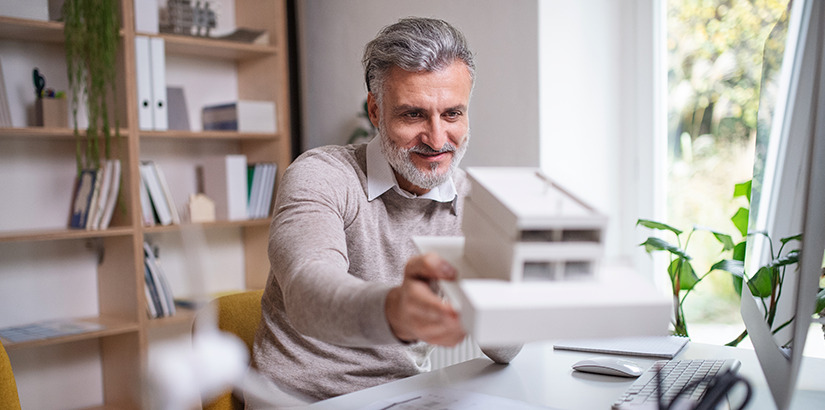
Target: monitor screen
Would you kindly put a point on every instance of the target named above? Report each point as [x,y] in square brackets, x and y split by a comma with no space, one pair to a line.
[785,246]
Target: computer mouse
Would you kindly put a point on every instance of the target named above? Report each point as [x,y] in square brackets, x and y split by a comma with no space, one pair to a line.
[611,366]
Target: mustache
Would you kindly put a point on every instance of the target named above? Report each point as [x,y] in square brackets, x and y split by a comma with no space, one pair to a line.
[427,150]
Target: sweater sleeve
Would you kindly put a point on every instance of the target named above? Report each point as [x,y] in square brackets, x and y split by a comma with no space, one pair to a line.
[308,255]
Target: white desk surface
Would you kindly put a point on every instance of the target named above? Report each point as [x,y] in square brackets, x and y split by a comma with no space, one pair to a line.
[542,376]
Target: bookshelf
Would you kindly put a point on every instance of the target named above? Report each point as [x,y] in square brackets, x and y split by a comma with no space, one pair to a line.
[49,272]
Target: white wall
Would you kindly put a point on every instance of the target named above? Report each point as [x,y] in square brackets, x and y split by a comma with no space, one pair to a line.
[598,98]
[503,34]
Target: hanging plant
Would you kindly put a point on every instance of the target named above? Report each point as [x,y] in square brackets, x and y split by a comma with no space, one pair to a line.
[91,33]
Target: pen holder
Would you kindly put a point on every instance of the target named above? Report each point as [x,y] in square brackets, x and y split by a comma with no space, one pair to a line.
[51,112]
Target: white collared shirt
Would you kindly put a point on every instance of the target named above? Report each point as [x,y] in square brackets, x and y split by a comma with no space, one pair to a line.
[381,178]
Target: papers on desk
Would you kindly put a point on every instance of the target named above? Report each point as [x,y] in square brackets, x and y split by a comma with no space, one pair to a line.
[440,398]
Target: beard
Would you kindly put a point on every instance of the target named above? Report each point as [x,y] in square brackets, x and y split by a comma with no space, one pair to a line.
[400,159]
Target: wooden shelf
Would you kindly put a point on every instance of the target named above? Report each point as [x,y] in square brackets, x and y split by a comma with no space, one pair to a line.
[46,132]
[208,135]
[31,30]
[208,225]
[182,316]
[260,72]
[62,234]
[213,48]
[111,327]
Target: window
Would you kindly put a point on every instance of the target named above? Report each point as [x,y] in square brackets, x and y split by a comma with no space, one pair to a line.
[715,52]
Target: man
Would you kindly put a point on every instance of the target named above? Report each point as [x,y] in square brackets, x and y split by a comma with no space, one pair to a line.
[349,303]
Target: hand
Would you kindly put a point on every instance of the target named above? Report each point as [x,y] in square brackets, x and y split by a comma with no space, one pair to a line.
[415,312]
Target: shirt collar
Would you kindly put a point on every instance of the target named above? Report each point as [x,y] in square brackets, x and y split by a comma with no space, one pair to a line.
[380,178]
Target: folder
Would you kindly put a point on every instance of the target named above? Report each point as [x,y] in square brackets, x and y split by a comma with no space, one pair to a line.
[158,59]
[143,69]
[150,61]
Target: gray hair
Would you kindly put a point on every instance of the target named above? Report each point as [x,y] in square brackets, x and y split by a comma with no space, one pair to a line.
[414,44]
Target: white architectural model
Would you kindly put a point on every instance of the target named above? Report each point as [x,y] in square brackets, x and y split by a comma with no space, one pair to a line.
[521,226]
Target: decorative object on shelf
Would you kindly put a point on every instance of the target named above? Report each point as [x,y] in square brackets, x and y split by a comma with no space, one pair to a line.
[203,18]
[50,106]
[201,208]
[180,17]
[91,32]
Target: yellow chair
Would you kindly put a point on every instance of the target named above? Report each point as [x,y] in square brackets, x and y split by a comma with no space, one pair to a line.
[238,313]
[8,387]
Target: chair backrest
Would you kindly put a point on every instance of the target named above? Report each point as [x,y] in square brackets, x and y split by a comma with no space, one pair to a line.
[239,314]
[8,387]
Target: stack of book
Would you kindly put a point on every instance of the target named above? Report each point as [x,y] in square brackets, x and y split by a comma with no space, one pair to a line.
[159,299]
[261,181]
[157,205]
[95,195]
[243,116]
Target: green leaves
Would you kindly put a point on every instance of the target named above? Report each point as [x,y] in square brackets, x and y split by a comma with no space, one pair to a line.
[656,244]
[820,301]
[740,220]
[683,270]
[658,225]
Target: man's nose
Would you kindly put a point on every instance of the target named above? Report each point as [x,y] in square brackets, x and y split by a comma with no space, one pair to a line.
[436,134]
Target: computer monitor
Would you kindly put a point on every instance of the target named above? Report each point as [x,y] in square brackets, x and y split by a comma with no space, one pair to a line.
[788,197]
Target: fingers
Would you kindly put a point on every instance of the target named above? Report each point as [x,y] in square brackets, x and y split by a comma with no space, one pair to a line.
[415,312]
[429,266]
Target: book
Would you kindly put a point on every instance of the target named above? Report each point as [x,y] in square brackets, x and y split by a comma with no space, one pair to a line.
[156,195]
[114,191]
[225,183]
[82,198]
[147,212]
[666,347]
[243,116]
[99,204]
[151,292]
[178,113]
[246,35]
[269,188]
[253,176]
[5,112]
[164,303]
[46,330]
[167,193]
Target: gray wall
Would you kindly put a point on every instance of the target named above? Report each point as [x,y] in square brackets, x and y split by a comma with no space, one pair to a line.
[504,35]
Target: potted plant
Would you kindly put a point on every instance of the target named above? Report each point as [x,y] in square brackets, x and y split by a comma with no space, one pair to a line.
[91,32]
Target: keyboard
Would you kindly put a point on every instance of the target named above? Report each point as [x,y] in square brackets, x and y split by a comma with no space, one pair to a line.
[676,374]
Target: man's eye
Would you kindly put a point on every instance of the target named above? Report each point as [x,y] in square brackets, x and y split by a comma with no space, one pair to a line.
[452,114]
[413,114]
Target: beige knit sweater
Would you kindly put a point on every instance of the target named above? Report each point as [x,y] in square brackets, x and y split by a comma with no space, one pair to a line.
[334,256]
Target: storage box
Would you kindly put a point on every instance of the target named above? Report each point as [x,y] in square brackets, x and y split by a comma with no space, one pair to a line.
[520,225]
[614,303]
[51,112]
[243,116]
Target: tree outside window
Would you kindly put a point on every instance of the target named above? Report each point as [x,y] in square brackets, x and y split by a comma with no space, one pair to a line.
[715,64]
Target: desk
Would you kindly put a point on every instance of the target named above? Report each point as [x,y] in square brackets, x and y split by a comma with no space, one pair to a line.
[542,376]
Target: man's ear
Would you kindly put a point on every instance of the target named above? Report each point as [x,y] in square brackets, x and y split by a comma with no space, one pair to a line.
[372,109]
